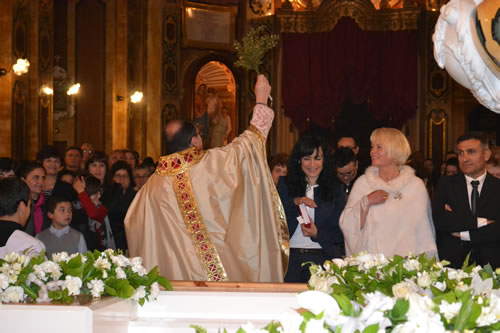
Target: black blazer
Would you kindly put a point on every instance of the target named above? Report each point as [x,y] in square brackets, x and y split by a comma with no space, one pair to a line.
[485,242]
[326,218]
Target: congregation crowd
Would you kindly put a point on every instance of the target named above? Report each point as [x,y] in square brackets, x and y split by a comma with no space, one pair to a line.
[74,203]
[210,214]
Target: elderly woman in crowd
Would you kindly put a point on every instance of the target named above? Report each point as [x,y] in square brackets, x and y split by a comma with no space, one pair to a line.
[311,181]
[388,210]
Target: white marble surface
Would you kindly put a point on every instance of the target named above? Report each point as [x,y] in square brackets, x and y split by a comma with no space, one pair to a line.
[174,311]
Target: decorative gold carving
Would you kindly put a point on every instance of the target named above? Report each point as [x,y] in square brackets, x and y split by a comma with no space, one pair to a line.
[195,226]
[436,118]
[362,11]
[176,163]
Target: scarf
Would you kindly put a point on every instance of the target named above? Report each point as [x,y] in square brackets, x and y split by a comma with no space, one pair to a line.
[38,214]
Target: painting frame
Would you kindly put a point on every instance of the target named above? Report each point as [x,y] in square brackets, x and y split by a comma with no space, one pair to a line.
[208,26]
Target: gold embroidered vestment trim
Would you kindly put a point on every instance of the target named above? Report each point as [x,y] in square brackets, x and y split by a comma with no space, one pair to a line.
[177,166]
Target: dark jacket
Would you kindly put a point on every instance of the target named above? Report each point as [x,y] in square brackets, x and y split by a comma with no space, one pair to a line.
[485,241]
[326,218]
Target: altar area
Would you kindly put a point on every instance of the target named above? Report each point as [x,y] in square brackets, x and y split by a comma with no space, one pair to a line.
[212,305]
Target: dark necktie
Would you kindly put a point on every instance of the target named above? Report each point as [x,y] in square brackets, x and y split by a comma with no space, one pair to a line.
[473,197]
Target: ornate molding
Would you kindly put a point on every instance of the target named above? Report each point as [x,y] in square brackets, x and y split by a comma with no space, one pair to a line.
[362,11]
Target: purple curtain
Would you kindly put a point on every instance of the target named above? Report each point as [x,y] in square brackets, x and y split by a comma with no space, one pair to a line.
[323,70]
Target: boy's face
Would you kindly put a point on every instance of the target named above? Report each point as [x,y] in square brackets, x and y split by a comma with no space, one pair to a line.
[96,198]
[62,214]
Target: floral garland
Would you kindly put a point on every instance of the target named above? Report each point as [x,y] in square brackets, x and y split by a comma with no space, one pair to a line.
[371,293]
[95,274]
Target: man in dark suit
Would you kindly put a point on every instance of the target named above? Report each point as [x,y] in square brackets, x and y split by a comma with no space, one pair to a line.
[346,168]
[465,208]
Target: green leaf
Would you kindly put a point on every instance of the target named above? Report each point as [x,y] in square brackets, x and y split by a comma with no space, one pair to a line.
[371,329]
[29,291]
[449,297]
[466,261]
[344,303]
[400,308]
[460,322]
[164,282]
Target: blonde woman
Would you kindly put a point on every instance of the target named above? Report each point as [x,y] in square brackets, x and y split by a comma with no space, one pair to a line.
[388,210]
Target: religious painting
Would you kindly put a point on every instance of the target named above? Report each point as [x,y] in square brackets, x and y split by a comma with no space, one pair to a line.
[208,26]
[214,104]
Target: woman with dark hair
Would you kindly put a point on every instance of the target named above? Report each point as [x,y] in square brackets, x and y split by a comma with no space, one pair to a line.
[97,166]
[132,158]
[310,193]
[33,174]
[119,199]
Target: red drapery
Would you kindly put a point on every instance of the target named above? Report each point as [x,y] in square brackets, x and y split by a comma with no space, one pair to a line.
[321,71]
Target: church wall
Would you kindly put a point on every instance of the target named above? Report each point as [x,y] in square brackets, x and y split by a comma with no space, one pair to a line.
[6,82]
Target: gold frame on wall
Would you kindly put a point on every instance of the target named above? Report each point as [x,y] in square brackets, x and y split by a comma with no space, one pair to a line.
[438,117]
[208,26]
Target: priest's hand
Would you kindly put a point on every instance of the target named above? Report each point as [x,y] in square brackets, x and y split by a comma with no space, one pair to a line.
[309,231]
[262,89]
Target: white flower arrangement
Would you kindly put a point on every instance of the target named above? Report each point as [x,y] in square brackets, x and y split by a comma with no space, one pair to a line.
[370,293]
[95,274]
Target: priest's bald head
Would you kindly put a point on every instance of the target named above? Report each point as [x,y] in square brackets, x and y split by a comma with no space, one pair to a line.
[182,134]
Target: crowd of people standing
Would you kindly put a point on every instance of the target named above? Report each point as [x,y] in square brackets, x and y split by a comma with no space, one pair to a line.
[77,201]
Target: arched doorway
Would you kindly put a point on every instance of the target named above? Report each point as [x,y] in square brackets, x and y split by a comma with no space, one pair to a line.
[214,104]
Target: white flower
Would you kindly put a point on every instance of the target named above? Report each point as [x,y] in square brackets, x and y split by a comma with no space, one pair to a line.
[490,314]
[58,257]
[290,322]
[120,274]
[440,285]
[316,326]
[411,265]
[96,287]
[480,287]
[249,328]
[120,260]
[317,302]
[373,312]
[322,283]
[400,290]
[462,286]
[139,293]
[53,269]
[11,257]
[4,281]
[40,273]
[13,294]
[449,311]
[16,268]
[424,279]
[339,262]
[421,316]
[155,290]
[73,285]
[102,263]
[137,267]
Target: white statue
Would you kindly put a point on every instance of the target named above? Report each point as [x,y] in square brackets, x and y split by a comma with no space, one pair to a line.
[467,44]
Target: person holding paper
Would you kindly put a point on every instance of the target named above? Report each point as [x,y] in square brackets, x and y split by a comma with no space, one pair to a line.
[313,202]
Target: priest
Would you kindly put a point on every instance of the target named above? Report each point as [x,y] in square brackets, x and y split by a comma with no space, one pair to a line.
[212,215]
